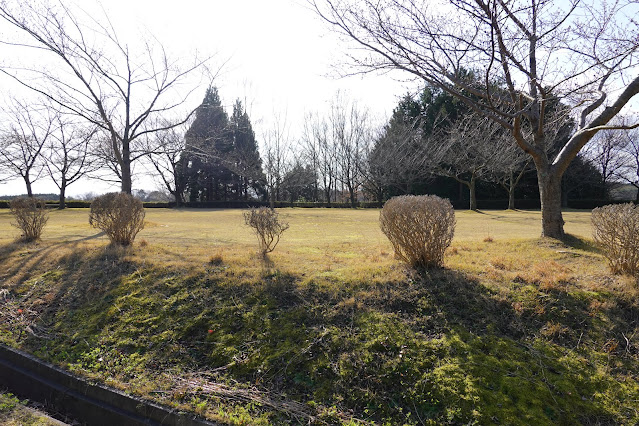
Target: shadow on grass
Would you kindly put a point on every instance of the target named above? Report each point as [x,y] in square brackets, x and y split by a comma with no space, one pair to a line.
[368,347]
[581,243]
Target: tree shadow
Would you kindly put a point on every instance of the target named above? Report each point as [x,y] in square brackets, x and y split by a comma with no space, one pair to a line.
[581,243]
[90,237]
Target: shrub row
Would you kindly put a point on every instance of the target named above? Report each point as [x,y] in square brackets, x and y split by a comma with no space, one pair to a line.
[525,204]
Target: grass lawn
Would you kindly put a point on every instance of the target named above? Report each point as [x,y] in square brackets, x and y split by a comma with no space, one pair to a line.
[330,327]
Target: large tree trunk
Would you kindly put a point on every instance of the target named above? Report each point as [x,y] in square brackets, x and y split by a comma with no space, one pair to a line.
[552,222]
[27,182]
[351,193]
[511,197]
[126,168]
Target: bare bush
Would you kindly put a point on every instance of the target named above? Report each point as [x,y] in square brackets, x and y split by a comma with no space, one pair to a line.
[267,226]
[616,230]
[420,228]
[119,215]
[30,215]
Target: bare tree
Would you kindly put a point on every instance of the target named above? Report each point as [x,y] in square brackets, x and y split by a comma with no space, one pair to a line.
[23,140]
[396,160]
[351,134]
[97,76]
[322,152]
[607,150]
[466,152]
[68,158]
[575,52]
[166,155]
[511,165]
[276,157]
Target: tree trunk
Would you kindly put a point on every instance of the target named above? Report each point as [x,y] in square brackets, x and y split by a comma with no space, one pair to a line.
[552,222]
[271,197]
[63,188]
[27,182]
[511,197]
[126,168]
[473,193]
[511,191]
[351,192]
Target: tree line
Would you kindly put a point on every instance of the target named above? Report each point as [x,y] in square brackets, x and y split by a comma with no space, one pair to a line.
[510,85]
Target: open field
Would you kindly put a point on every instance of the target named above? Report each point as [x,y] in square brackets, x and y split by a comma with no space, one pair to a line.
[330,328]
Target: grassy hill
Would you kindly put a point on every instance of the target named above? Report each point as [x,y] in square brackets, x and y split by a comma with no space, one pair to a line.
[330,328]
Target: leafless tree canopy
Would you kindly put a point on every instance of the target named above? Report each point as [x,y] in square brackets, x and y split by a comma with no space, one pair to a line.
[26,131]
[118,87]
[581,53]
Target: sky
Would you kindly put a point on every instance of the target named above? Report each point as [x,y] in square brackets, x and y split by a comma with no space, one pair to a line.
[276,56]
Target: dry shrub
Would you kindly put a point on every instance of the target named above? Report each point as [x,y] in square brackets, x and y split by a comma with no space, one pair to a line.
[420,228]
[119,215]
[217,259]
[267,227]
[616,230]
[30,217]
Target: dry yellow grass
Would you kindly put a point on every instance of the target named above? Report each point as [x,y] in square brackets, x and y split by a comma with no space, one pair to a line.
[324,244]
[324,241]
[311,229]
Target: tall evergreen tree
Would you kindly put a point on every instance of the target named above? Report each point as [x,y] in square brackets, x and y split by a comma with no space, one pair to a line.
[245,159]
[207,141]
[223,160]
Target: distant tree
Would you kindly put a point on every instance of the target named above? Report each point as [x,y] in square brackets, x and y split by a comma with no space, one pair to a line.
[466,151]
[507,171]
[245,161]
[351,135]
[299,183]
[396,163]
[97,76]
[26,131]
[582,180]
[68,156]
[208,141]
[606,151]
[168,157]
[277,157]
[630,171]
[322,153]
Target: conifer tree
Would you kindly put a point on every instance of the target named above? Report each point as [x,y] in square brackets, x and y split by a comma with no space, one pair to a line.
[246,161]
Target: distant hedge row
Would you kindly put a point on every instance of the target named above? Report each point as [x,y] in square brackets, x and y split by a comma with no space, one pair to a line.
[586,204]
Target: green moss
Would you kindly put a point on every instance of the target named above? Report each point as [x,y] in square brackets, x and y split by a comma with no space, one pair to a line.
[442,347]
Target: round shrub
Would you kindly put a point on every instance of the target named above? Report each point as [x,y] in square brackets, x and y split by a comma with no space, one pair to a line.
[30,216]
[616,230]
[119,215]
[420,228]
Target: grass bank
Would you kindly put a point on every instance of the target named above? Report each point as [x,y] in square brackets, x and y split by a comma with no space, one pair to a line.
[330,328]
